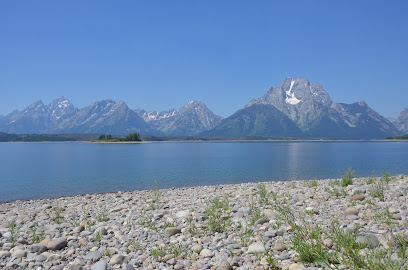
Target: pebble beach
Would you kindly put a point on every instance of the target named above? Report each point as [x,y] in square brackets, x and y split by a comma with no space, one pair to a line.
[220,227]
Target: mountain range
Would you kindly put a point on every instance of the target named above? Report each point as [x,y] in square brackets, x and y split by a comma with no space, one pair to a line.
[296,108]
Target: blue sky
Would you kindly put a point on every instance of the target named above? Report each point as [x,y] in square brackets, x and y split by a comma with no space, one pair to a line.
[161,54]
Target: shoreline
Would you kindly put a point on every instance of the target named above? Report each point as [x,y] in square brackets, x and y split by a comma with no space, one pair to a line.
[176,188]
[171,228]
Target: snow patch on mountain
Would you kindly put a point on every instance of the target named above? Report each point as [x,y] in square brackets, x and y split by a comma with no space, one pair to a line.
[290,97]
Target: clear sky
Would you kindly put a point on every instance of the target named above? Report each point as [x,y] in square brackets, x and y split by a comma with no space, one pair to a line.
[161,54]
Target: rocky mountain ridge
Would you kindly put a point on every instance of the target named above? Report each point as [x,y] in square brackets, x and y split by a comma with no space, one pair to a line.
[310,108]
[108,117]
[296,108]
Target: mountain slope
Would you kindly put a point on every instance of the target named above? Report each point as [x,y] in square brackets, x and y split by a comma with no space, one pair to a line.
[402,121]
[107,117]
[191,119]
[310,107]
[37,117]
[256,120]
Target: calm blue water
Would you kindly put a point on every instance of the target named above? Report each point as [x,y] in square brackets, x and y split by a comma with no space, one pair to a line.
[39,170]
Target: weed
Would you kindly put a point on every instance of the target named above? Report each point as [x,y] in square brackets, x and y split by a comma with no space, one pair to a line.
[192,228]
[245,235]
[377,191]
[258,256]
[55,215]
[311,184]
[158,252]
[272,265]
[175,249]
[231,253]
[386,177]
[336,192]
[347,178]
[216,213]
[334,183]
[102,216]
[106,253]
[384,216]
[256,214]
[292,185]
[133,246]
[97,237]
[14,230]
[74,222]
[370,180]
[168,224]
[402,176]
[263,193]
[36,238]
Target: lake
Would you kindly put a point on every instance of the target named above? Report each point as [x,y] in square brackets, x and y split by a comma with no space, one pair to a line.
[42,170]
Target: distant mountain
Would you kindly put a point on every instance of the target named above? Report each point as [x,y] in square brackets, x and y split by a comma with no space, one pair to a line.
[191,119]
[108,117]
[296,108]
[311,109]
[256,120]
[37,117]
[402,121]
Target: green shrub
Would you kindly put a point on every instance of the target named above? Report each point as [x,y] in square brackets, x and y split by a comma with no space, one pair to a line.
[347,178]
[216,215]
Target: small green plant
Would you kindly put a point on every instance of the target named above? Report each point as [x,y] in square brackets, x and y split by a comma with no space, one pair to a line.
[133,245]
[231,252]
[370,180]
[258,256]
[192,228]
[158,252]
[312,183]
[35,237]
[97,237]
[102,216]
[384,216]
[216,213]
[74,222]
[334,183]
[377,190]
[55,215]
[386,177]
[272,264]
[245,235]
[263,193]
[292,185]
[255,215]
[335,192]
[14,230]
[175,249]
[347,178]
[156,192]
[168,224]
[106,253]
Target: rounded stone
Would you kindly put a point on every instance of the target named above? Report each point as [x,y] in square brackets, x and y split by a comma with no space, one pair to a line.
[171,231]
[19,254]
[101,265]
[368,240]
[256,248]
[117,259]
[279,247]
[351,211]
[206,253]
[57,244]
[197,248]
